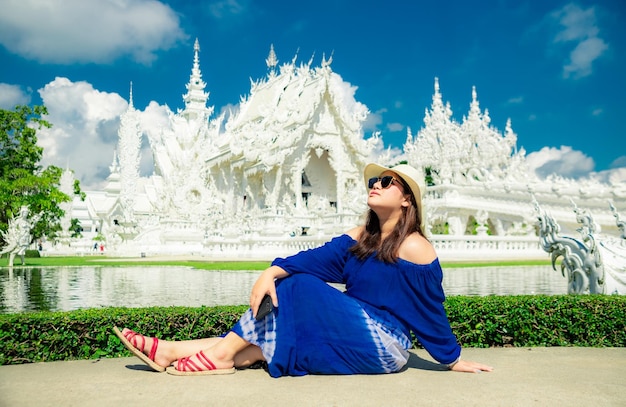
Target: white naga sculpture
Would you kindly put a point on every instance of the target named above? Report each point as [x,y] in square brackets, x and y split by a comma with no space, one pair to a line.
[594,263]
[17,237]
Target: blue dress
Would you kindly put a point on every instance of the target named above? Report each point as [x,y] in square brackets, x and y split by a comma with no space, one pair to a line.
[318,329]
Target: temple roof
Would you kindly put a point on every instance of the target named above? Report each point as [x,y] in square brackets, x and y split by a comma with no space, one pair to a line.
[298,101]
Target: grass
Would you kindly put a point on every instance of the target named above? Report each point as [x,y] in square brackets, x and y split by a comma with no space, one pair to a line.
[205,264]
[111,261]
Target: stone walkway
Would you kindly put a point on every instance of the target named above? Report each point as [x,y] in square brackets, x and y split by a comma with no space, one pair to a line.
[522,377]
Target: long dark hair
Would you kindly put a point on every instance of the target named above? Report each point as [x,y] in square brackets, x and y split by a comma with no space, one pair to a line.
[369,241]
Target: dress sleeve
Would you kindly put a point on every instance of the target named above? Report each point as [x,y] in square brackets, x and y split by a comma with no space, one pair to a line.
[428,319]
[326,262]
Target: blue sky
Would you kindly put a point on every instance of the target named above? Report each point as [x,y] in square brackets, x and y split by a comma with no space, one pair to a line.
[555,68]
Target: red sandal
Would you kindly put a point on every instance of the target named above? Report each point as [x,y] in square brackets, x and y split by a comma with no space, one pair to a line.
[131,340]
[187,367]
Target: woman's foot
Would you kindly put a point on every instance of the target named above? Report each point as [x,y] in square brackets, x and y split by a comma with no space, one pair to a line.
[150,350]
[202,364]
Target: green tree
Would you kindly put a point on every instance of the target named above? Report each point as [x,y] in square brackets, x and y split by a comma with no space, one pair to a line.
[23,181]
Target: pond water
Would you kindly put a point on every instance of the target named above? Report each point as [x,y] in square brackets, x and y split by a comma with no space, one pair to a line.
[71,288]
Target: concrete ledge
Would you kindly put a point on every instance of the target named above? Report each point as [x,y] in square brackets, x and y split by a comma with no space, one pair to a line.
[522,377]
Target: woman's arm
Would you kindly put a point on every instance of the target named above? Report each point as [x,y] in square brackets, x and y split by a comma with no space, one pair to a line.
[418,250]
[326,262]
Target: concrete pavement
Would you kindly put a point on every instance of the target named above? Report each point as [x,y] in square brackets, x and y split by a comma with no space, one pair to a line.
[522,377]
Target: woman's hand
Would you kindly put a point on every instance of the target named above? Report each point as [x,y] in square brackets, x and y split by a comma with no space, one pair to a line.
[470,367]
[265,285]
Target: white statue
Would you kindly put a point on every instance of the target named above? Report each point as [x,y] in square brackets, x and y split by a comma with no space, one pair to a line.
[17,237]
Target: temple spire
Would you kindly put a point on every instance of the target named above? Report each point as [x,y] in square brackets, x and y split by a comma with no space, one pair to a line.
[327,62]
[271,61]
[130,98]
[474,105]
[438,109]
[195,98]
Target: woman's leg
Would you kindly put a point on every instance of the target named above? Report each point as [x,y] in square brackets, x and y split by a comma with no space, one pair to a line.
[230,351]
[238,353]
[169,351]
[248,356]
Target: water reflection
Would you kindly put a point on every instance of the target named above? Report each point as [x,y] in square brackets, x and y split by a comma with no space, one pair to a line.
[504,281]
[70,288]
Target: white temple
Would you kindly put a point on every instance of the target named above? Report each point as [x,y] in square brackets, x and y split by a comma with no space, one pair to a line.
[284,172]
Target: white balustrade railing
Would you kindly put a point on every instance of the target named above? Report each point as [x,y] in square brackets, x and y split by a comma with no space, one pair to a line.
[449,248]
[487,248]
[256,247]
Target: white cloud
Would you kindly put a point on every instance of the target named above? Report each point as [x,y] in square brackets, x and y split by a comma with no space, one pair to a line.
[227,8]
[597,112]
[619,162]
[617,175]
[155,118]
[583,56]
[516,100]
[394,127]
[84,129]
[87,31]
[579,26]
[613,176]
[577,23]
[12,95]
[374,120]
[563,161]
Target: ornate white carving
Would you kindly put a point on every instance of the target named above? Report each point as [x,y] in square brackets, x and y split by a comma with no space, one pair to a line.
[66,185]
[128,148]
[593,264]
[17,237]
[287,163]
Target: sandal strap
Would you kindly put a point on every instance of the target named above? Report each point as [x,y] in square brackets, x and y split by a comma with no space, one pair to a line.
[134,338]
[153,350]
[188,365]
[205,361]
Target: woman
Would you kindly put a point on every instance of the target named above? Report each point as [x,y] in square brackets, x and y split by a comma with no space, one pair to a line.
[393,287]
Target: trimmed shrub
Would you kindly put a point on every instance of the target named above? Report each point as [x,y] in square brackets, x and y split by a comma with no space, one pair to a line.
[539,320]
[493,321]
[31,254]
[87,334]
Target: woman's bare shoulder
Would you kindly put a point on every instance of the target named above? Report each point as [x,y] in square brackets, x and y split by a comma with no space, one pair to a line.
[417,249]
[355,232]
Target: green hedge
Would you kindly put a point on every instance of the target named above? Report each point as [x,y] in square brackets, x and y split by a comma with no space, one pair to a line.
[493,321]
[32,254]
[87,334]
[539,320]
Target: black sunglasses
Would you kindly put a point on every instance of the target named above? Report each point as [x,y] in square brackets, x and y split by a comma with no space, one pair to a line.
[385,181]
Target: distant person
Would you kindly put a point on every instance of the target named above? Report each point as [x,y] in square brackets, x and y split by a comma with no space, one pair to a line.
[393,287]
